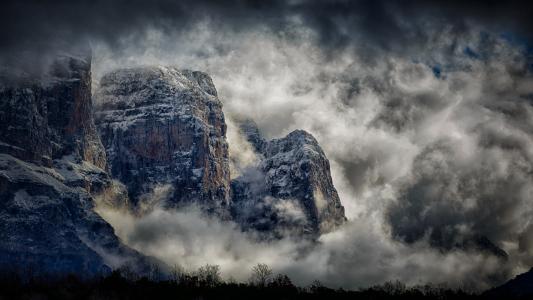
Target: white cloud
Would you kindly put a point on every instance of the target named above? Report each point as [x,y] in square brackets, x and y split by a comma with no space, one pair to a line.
[375,121]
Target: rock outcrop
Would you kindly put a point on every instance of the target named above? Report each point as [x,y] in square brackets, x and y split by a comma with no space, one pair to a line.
[164,132]
[290,190]
[47,118]
[52,165]
[161,138]
[165,137]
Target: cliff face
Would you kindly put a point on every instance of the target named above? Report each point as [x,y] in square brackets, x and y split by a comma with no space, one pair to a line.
[52,164]
[165,137]
[48,118]
[164,131]
[290,190]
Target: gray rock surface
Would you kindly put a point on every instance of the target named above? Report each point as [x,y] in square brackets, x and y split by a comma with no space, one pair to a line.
[164,132]
[161,137]
[290,191]
[165,137]
[46,118]
[52,165]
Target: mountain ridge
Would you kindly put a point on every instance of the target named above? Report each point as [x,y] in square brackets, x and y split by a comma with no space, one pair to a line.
[147,133]
[52,166]
[148,105]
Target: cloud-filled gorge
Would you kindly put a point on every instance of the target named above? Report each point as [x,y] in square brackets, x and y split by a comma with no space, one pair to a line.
[427,123]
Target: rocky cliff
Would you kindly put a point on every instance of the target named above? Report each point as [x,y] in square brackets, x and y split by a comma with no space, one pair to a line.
[47,118]
[164,139]
[52,165]
[165,136]
[290,190]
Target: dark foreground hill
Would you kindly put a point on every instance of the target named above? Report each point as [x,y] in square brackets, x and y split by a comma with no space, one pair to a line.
[521,287]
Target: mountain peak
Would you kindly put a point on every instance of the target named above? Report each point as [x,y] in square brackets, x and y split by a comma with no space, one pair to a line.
[291,190]
[165,126]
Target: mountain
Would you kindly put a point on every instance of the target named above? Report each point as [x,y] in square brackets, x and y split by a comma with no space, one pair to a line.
[520,287]
[159,139]
[52,166]
[165,136]
[290,190]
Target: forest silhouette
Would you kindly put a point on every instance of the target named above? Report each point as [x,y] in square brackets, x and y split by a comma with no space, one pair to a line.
[205,283]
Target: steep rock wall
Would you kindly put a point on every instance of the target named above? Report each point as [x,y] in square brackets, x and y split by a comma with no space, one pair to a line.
[52,164]
[164,127]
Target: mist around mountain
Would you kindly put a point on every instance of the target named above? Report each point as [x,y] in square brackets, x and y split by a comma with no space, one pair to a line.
[158,145]
[154,143]
[350,142]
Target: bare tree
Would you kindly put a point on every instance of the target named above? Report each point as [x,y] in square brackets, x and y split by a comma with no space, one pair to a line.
[178,273]
[261,275]
[316,286]
[155,273]
[394,287]
[209,275]
[281,281]
[127,272]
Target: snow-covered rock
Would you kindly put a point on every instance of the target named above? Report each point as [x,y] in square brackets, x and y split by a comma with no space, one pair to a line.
[290,190]
[41,121]
[46,225]
[165,137]
[52,165]
[165,126]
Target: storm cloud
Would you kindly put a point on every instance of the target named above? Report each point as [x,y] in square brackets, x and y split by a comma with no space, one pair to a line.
[429,152]
[37,27]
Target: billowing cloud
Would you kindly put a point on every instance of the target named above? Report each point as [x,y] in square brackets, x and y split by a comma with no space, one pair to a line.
[32,29]
[429,149]
[358,255]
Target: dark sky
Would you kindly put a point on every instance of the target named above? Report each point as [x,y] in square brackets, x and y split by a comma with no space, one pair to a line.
[381,25]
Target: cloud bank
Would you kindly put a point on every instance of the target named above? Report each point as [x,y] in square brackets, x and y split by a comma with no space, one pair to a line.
[358,255]
[429,151]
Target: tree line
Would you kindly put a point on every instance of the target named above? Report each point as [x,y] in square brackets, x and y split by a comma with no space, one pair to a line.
[204,283]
